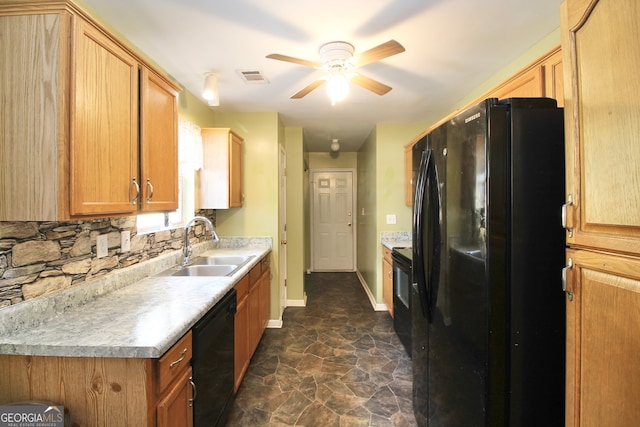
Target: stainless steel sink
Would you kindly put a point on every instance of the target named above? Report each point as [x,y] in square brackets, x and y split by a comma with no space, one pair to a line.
[212,265]
[225,260]
[206,270]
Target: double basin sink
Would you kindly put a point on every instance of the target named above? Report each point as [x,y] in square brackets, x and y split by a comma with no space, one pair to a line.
[212,265]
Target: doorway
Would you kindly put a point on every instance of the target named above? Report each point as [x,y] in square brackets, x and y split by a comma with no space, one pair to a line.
[332,220]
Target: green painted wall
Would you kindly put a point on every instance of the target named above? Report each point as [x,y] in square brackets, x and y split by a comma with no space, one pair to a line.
[381,192]
[296,238]
[367,212]
[259,214]
[193,109]
[340,159]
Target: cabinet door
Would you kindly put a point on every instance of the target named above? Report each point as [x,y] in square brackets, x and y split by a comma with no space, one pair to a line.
[241,330]
[235,171]
[175,408]
[603,379]
[158,143]
[104,125]
[553,78]
[529,84]
[34,132]
[602,87]
[255,316]
[265,289]
[408,175]
[387,281]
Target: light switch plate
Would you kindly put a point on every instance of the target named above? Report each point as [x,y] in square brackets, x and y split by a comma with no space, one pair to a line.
[102,246]
[125,241]
[391,219]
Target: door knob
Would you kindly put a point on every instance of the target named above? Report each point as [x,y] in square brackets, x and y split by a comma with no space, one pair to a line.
[349,224]
[283,242]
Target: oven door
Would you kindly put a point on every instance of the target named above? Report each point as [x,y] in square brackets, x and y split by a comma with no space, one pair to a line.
[402,299]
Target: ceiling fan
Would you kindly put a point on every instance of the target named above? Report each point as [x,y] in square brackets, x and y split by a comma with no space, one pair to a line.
[338,59]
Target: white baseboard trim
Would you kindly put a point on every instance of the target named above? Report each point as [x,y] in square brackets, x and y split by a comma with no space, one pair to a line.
[274,324]
[296,303]
[376,306]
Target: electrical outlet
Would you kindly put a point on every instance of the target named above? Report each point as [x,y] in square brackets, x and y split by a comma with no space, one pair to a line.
[391,219]
[125,241]
[102,246]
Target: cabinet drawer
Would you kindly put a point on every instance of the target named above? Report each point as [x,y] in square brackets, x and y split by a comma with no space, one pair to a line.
[242,288]
[174,361]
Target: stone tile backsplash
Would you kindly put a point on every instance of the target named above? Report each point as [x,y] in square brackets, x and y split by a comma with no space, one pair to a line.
[41,258]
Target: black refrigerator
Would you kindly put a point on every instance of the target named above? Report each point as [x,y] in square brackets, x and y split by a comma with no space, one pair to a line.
[488,317]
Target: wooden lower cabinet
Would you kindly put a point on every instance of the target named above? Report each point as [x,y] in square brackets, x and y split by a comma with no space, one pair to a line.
[252,315]
[241,325]
[255,314]
[387,279]
[103,391]
[265,294]
[172,410]
[603,343]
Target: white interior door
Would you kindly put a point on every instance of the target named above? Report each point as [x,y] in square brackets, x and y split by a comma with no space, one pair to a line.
[332,220]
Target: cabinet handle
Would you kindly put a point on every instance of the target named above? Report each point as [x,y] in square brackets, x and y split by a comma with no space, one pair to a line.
[135,199]
[568,267]
[150,190]
[195,391]
[565,222]
[174,363]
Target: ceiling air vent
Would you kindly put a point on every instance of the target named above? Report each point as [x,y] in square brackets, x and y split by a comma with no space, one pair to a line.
[253,76]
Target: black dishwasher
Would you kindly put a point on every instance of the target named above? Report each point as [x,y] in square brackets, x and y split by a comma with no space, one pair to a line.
[213,356]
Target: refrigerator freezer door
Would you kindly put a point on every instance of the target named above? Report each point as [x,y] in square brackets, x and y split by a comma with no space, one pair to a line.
[426,229]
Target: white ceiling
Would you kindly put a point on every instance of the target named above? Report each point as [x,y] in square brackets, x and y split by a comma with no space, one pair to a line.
[452,46]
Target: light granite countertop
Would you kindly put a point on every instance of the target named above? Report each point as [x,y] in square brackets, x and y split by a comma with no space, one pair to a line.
[396,239]
[138,320]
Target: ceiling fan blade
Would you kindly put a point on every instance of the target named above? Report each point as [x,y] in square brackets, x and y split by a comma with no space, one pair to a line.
[370,84]
[377,53]
[294,60]
[305,91]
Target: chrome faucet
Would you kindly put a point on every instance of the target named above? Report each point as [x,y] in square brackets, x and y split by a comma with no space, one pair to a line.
[187,248]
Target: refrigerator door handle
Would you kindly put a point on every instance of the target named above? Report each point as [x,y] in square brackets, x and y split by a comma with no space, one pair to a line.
[427,186]
[419,276]
[434,216]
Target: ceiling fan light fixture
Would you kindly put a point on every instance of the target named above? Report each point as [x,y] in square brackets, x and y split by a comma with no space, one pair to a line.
[210,90]
[337,87]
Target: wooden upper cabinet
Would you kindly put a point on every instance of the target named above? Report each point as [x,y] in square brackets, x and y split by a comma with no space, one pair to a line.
[221,174]
[158,143]
[75,99]
[543,78]
[554,78]
[34,130]
[528,84]
[408,174]
[602,115]
[104,125]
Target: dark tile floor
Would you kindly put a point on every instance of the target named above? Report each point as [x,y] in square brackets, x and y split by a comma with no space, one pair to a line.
[335,362]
